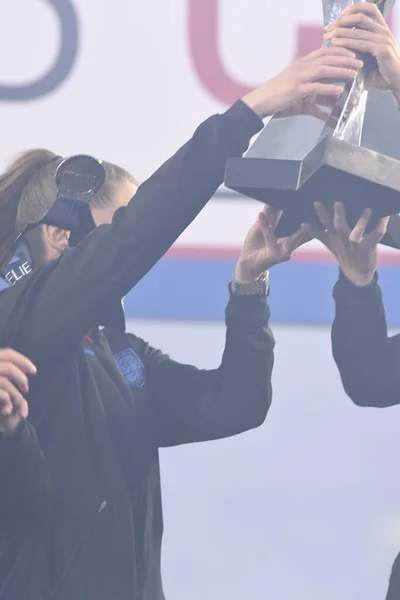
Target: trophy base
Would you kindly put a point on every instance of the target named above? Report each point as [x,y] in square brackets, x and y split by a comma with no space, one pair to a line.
[333,171]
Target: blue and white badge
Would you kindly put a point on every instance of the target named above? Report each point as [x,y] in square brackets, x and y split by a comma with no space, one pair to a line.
[16,269]
[131,367]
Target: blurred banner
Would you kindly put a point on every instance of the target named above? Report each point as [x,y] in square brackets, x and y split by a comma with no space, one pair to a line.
[129,83]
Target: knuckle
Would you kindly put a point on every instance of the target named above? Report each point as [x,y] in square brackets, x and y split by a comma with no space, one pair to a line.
[321,71]
[19,400]
[5,396]
[8,386]
[4,381]
[362,19]
[7,369]
[11,355]
[303,89]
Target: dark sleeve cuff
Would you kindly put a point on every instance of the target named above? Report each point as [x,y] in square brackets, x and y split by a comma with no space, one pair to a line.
[250,311]
[245,118]
[346,293]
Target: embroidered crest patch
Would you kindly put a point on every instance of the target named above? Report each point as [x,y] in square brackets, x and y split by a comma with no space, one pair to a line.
[131,367]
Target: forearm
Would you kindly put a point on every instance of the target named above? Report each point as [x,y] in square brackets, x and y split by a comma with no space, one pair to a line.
[112,259]
[179,190]
[368,360]
[245,390]
[25,485]
[195,405]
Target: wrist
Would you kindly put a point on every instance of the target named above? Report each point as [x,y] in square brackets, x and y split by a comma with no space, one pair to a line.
[255,287]
[255,100]
[361,282]
[358,280]
[245,276]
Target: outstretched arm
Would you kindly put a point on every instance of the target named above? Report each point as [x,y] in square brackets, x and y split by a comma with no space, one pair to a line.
[367,358]
[64,299]
[193,405]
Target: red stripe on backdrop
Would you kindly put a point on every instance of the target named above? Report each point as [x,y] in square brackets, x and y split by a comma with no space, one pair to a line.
[232,253]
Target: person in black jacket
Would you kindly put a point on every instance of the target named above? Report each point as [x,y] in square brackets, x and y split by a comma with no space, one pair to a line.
[367,358]
[103,402]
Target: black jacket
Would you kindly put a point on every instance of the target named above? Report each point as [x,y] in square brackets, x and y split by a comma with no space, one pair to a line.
[80,506]
[368,359]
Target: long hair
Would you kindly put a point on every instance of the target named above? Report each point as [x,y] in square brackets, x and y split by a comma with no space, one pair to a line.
[27,192]
[12,183]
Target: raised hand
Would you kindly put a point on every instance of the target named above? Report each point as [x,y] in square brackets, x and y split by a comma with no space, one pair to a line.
[355,250]
[306,78]
[262,249]
[362,28]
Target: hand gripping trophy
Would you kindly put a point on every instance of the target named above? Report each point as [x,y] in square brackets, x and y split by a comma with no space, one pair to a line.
[314,152]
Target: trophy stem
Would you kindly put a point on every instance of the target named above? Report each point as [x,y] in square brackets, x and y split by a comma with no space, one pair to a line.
[333,9]
[350,125]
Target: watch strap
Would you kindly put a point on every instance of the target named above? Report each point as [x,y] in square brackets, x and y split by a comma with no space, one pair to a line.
[258,287]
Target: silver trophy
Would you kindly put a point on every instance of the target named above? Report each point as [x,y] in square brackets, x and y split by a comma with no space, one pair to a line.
[321,153]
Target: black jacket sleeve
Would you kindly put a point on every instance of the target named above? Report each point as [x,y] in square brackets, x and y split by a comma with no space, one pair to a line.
[193,405]
[24,482]
[368,360]
[49,311]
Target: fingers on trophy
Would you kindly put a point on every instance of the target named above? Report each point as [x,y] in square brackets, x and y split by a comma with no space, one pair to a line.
[318,152]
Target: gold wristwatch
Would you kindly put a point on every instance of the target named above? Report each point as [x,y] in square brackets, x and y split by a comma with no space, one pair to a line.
[258,287]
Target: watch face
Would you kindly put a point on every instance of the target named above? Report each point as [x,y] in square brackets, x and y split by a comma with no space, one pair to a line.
[79,177]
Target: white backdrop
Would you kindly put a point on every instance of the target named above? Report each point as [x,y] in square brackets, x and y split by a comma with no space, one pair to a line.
[146,73]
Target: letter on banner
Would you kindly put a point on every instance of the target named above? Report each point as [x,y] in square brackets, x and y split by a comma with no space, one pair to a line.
[203,28]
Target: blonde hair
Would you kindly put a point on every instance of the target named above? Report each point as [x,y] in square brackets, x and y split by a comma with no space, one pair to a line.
[27,192]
